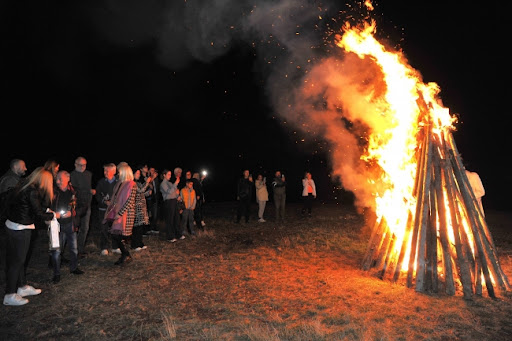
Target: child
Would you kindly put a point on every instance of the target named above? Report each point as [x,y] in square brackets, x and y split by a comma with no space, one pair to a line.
[188,197]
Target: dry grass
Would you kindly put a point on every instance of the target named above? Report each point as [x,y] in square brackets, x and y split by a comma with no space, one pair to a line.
[256,281]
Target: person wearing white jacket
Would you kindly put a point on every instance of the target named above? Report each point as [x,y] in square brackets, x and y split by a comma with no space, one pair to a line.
[261,196]
[308,193]
[478,188]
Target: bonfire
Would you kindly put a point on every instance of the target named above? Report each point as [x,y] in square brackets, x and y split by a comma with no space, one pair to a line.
[430,232]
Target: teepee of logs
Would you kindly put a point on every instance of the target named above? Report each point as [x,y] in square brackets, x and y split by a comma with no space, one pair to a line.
[447,245]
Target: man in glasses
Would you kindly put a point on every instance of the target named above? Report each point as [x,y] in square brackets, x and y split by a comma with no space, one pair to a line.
[81,180]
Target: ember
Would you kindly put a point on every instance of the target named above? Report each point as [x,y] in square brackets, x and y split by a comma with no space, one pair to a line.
[430,231]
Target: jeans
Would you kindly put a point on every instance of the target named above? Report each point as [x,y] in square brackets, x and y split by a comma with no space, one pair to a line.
[66,237]
[187,221]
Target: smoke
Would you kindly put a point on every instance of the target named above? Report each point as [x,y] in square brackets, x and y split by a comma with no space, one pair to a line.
[310,83]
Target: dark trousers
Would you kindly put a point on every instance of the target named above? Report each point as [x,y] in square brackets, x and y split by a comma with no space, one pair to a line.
[280,204]
[307,203]
[138,231]
[18,245]
[171,217]
[244,209]
[198,213]
[120,240]
[106,240]
[155,209]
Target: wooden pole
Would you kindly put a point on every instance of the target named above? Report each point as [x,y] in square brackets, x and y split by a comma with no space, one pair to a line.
[461,259]
[476,234]
[420,271]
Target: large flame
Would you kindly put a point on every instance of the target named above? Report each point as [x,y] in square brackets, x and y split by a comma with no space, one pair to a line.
[395,149]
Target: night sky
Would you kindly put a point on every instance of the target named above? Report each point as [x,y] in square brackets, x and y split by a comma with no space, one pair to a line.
[192,83]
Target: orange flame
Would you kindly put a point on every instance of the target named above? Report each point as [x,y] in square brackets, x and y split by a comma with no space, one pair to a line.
[395,149]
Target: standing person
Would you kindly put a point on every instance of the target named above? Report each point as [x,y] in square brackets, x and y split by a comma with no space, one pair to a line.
[198,187]
[103,196]
[122,208]
[52,166]
[8,181]
[13,175]
[178,171]
[81,179]
[308,193]
[188,196]
[244,196]
[23,210]
[261,196]
[477,187]
[144,175]
[64,206]
[141,211]
[156,201]
[170,193]
[279,190]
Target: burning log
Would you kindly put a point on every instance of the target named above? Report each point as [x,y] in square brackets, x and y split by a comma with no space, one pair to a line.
[447,218]
[430,231]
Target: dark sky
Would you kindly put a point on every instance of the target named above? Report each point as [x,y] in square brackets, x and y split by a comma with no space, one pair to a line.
[191,83]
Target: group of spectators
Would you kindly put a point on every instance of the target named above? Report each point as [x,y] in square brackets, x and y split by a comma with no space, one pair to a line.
[245,194]
[129,200]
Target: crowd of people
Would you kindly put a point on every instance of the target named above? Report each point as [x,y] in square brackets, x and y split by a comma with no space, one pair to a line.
[130,202]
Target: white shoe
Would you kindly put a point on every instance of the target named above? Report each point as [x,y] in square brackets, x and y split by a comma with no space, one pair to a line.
[144,247]
[182,237]
[104,252]
[118,251]
[14,299]
[28,290]
[261,220]
[137,249]
[203,224]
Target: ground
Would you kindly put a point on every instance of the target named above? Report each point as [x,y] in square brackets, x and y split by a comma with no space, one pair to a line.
[301,280]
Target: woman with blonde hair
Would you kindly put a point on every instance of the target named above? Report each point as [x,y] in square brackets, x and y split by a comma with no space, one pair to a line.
[26,206]
[121,211]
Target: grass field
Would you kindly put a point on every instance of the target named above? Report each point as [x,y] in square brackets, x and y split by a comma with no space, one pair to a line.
[300,280]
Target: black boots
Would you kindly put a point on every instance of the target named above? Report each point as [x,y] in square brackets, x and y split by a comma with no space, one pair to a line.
[123,259]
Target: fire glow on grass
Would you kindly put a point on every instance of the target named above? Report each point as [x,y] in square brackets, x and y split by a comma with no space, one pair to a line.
[428,225]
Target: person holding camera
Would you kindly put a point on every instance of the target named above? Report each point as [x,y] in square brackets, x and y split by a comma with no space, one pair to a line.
[308,193]
[261,196]
[279,189]
[244,196]
[64,206]
[104,193]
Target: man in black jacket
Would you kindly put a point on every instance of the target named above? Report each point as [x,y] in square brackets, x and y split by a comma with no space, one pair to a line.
[244,196]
